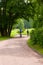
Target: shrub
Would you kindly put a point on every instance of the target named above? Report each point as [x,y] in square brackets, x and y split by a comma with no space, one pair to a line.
[36,36]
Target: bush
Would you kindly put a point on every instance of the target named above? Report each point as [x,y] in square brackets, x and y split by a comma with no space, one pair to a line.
[36,36]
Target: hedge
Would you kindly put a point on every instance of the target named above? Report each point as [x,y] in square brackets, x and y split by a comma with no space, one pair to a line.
[36,36]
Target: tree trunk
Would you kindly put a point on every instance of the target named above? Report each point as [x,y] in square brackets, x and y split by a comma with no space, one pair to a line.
[9,30]
[3,32]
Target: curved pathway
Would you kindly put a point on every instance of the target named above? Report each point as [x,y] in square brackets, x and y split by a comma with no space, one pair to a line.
[16,52]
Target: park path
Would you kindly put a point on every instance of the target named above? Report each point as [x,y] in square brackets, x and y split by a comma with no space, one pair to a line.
[16,52]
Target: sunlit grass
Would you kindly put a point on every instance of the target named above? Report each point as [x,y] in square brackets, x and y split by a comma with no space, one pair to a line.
[25,31]
[14,32]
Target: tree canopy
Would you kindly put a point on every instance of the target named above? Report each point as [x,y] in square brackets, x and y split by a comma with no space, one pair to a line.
[10,10]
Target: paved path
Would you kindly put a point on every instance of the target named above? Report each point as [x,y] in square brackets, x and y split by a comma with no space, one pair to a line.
[16,52]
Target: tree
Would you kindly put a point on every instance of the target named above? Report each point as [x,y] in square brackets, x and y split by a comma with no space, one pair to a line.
[20,24]
[38,18]
[10,11]
[14,9]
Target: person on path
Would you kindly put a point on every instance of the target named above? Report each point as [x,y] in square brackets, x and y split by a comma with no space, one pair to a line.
[20,32]
[27,32]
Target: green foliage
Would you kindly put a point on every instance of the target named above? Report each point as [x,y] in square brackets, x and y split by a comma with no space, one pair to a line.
[20,24]
[14,32]
[36,47]
[14,9]
[37,36]
[28,24]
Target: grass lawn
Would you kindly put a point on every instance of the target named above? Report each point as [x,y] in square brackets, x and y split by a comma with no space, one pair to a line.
[37,48]
[3,38]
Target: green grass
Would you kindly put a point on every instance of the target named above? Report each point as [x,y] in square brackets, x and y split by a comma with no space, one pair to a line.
[37,48]
[3,38]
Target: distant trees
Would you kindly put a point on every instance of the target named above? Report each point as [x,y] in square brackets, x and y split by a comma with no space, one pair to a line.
[20,24]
